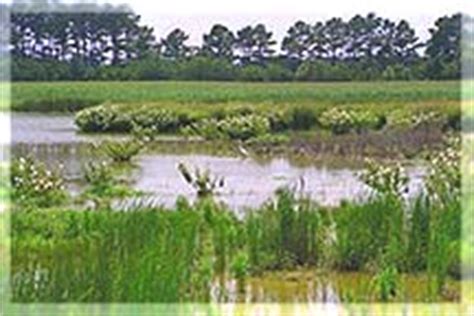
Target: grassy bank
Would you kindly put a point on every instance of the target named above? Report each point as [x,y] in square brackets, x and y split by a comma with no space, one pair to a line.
[64,96]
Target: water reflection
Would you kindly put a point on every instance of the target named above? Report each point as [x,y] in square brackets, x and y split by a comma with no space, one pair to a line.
[249,182]
[305,285]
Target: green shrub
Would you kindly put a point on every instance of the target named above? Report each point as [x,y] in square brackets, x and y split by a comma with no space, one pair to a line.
[268,140]
[240,265]
[121,151]
[202,181]
[337,120]
[367,120]
[251,73]
[341,121]
[403,119]
[34,185]
[418,235]
[235,127]
[385,180]
[301,118]
[444,178]
[159,120]
[279,121]
[206,128]
[387,283]
[245,127]
[103,119]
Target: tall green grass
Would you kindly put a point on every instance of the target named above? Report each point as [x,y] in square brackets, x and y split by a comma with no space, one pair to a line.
[159,255]
[72,96]
[146,256]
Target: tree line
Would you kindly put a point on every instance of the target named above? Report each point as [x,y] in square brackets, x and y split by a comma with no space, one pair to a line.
[115,46]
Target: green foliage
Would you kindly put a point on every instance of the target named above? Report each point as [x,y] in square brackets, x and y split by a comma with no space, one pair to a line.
[368,120]
[398,72]
[443,184]
[337,120]
[159,255]
[362,233]
[417,120]
[66,96]
[283,234]
[49,46]
[219,43]
[204,68]
[158,120]
[269,140]
[390,181]
[444,175]
[418,237]
[301,118]
[202,181]
[234,127]
[34,185]
[126,256]
[323,71]
[252,73]
[444,48]
[103,119]
[97,174]
[103,185]
[121,151]
[386,283]
[443,255]
[81,256]
[110,119]
[341,121]
[240,266]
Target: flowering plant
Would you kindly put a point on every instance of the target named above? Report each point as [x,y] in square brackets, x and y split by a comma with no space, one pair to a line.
[235,127]
[34,184]
[443,181]
[384,179]
[160,120]
[417,120]
[337,120]
[103,119]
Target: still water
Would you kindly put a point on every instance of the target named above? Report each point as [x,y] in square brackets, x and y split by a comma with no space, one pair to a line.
[248,181]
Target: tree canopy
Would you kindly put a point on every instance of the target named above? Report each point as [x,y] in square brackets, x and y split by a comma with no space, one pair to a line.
[114,45]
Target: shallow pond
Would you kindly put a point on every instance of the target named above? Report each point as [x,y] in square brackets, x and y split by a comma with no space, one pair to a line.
[302,286]
[248,181]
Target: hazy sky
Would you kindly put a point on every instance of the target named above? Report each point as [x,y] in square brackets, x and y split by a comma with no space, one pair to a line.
[197,17]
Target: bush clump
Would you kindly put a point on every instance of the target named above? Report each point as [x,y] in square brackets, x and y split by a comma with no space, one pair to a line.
[400,119]
[301,118]
[33,184]
[236,127]
[341,121]
[103,119]
[160,120]
[337,120]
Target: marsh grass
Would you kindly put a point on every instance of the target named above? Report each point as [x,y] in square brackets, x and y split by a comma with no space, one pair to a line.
[160,255]
[175,255]
[72,96]
[156,255]
[123,151]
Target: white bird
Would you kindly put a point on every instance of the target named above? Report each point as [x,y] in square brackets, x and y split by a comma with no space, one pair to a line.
[242,151]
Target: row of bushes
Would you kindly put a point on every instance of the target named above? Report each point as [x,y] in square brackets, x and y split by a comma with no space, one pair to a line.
[215,69]
[244,123]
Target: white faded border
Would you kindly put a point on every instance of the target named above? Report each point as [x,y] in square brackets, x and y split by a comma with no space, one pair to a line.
[7,308]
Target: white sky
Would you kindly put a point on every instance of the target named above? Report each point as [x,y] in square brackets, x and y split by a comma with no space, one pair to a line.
[197,17]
